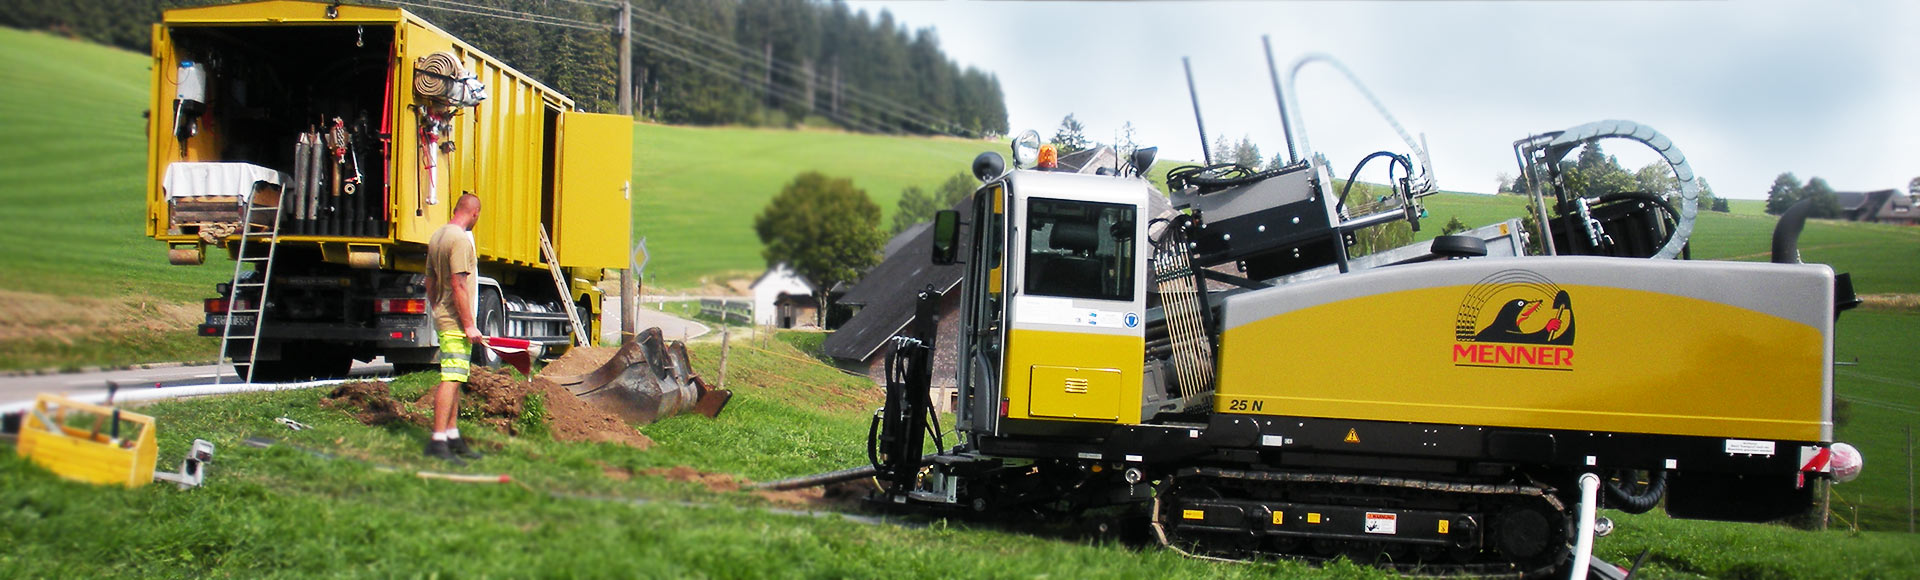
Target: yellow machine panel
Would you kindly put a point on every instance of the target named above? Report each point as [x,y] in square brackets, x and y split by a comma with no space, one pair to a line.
[1075,393]
[1046,370]
[1515,355]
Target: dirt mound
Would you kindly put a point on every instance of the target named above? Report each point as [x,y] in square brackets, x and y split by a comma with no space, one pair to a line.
[372,404]
[578,420]
[502,404]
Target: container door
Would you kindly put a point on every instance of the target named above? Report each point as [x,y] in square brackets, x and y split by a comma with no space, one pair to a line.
[594,223]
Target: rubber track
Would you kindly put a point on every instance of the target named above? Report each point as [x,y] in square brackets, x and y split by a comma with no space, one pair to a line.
[1484,570]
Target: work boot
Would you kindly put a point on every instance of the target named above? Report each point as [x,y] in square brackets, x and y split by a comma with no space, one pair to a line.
[441,450]
[459,447]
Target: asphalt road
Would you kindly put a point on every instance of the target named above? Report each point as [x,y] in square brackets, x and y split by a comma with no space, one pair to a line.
[14,389]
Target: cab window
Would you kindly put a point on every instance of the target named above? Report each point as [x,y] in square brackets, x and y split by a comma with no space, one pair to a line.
[1078,249]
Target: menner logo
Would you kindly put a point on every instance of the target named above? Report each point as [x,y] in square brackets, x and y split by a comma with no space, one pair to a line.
[1515,319]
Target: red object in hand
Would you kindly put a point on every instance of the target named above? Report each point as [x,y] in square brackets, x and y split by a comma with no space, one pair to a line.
[515,351]
[1553,325]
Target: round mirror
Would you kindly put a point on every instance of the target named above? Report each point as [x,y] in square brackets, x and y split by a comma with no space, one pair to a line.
[1026,149]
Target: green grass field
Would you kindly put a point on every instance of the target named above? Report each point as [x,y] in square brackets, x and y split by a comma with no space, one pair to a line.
[698,189]
[72,167]
[594,509]
[71,194]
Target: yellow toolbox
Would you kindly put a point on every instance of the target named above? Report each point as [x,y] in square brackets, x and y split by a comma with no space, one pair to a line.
[87,442]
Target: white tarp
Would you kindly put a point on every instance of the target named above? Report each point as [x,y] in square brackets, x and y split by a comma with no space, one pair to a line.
[190,179]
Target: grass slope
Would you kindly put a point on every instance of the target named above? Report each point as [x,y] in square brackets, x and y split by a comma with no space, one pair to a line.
[698,189]
[72,167]
[593,510]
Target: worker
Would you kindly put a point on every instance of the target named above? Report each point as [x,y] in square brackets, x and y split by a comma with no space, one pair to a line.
[452,287]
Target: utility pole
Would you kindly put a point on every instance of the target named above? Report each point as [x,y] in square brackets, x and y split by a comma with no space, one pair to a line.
[1909,479]
[626,58]
[629,285]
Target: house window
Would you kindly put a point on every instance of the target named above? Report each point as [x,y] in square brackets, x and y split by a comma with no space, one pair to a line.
[1078,249]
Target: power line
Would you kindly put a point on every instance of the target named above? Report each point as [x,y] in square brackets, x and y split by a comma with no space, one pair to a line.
[501,13]
[879,106]
[797,74]
[721,70]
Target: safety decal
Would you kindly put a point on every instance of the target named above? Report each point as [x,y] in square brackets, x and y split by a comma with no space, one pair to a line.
[1379,523]
[1193,514]
[1515,319]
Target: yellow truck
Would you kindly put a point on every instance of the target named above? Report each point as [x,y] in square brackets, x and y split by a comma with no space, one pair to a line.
[350,131]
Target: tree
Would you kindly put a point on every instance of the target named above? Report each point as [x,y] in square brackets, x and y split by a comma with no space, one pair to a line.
[1246,153]
[1071,137]
[1453,226]
[1825,204]
[1505,182]
[916,205]
[1784,193]
[1709,201]
[1595,173]
[823,228]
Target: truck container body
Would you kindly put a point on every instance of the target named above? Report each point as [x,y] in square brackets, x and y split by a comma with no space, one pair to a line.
[319,111]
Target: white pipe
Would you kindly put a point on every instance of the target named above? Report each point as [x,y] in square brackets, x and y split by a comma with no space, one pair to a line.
[138,395]
[1583,545]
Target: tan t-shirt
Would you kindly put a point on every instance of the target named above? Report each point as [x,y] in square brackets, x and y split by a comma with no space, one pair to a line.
[450,252]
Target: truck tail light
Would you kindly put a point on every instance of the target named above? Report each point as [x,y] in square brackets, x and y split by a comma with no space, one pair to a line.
[400,305]
[222,305]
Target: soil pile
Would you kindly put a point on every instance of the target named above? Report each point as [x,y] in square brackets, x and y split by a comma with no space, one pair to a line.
[574,419]
[501,402]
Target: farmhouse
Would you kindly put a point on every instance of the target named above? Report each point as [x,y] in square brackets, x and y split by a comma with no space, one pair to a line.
[777,284]
[1887,206]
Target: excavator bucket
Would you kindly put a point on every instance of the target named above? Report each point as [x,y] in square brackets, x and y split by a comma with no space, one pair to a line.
[646,380]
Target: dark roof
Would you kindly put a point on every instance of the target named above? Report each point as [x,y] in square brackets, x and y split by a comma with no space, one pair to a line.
[800,300]
[1850,200]
[1089,160]
[1864,206]
[901,239]
[889,292]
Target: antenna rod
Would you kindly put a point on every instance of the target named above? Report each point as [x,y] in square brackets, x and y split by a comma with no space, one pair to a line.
[1204,153]
[1285,125]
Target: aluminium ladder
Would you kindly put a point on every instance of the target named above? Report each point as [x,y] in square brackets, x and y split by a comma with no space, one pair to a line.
[258,308]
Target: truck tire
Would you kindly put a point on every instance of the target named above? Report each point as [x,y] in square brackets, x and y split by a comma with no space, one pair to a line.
[491,313]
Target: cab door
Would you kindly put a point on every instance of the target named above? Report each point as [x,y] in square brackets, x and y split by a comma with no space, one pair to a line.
[983,313]
[1076,338]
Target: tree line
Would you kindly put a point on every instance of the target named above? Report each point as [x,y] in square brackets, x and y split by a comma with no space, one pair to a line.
[1594,173]
[704,62]
[1787,190]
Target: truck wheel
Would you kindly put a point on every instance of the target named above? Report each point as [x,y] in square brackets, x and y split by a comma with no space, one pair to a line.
[491,313]
[587,321]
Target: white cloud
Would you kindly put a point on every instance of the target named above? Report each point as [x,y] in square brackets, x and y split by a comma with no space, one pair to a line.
[1747,89]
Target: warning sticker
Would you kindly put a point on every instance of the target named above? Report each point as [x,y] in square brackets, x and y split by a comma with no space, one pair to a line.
[1379,523]
[1746,447]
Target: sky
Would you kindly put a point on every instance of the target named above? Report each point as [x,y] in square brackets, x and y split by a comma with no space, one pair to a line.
[1747,89]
